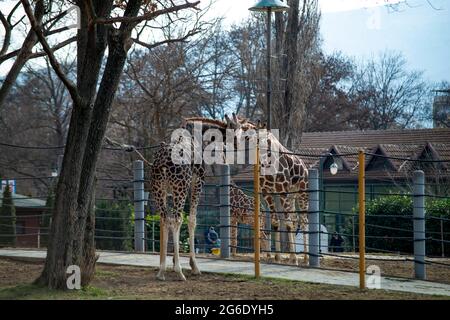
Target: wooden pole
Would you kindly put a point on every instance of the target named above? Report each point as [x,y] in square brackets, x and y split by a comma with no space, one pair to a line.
[257,244]
[362,222]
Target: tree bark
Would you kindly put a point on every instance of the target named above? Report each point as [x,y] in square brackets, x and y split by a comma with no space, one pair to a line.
[65,235]
[72,232]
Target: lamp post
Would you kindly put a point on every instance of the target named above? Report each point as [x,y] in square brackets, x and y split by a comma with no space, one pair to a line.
[269,6]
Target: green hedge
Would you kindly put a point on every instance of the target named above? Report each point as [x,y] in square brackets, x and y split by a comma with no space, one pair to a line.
[395,234]
[184,233]
[7,220]
[121,224]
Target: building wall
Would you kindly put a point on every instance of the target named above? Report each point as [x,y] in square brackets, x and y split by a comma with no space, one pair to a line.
[27,228]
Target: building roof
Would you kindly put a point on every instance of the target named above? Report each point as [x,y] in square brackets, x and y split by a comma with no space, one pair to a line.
[387,151]
[21,201]
[370,138]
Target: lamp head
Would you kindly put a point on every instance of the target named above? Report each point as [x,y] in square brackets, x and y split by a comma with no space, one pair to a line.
[334,168]
[273,5]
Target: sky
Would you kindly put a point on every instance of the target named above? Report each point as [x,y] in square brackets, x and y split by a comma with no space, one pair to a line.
[364,28]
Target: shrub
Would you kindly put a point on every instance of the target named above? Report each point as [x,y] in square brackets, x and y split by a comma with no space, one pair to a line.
[46,218]
[7,220]
[184,233]
[384,233]
[114,226]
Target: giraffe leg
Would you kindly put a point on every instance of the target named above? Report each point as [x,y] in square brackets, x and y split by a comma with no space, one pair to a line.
[306,241]
[159,194]
[233,234]
[276,229]
[304,225]
[290,227]
[176,220]
[275,226]
[192,261]
[264,236]
[163,249]
[289,208]
[176,227]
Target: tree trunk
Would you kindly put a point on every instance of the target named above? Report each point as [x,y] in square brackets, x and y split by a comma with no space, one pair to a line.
[60,248]
[68,224]
[72,233]
[289,69]
[89,258]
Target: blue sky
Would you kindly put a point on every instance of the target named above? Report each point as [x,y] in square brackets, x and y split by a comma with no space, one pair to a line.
[422,34]
[363,28]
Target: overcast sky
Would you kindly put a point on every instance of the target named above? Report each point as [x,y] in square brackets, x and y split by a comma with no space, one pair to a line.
[362,28]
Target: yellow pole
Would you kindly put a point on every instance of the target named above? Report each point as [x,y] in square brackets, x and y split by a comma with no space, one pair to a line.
[362,220]
[257,244]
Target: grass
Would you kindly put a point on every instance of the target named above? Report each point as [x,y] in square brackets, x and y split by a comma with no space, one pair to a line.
[35,292]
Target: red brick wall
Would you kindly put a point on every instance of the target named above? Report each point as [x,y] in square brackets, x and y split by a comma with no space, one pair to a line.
[31,228]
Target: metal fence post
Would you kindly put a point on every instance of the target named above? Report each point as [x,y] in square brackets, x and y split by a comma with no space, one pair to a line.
[442,237]
[139,198]
[225,216]
[419,224]
[313,218]
[256,227]
[362,218]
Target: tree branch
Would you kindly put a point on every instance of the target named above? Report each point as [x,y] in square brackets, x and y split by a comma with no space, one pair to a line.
[159,43]
[60,45]
[7,37]
[150,15]
[71,87]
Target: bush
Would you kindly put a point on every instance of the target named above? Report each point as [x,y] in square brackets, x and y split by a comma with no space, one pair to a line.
[439,208]
[115,233]
[46,218]
[184,233]
[396,233]
[7,220]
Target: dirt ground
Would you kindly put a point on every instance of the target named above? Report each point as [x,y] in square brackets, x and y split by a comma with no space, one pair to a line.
[404,269]
[120,282]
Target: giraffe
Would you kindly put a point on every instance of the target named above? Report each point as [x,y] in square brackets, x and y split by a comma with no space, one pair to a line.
[242,211]
[168,178]
[291,184]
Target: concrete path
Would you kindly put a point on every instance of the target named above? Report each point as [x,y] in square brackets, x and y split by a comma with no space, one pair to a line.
[246,268]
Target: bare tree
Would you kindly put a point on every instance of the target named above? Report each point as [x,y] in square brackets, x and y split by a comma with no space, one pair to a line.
[36,114]
[48,16]
[157,88]
[247,41]
[441,105]
[105,24]
[297,47]
[388,95]
[329,106]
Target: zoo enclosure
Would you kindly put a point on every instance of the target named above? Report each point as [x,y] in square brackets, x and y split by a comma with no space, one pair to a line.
[124,218]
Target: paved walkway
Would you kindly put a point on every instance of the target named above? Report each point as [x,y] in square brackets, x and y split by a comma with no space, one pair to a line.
[246,268]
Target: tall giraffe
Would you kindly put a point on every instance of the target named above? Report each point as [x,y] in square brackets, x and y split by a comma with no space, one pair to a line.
[169,178]
[290,183]
[242,211]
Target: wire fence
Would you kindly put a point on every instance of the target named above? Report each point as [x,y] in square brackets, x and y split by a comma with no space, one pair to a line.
[389,229]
